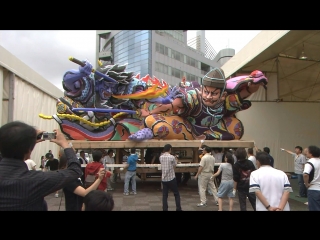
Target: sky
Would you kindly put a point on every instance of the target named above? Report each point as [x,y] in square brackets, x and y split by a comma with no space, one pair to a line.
[47,51]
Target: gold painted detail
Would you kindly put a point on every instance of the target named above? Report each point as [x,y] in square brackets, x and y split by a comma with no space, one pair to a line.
[75,117]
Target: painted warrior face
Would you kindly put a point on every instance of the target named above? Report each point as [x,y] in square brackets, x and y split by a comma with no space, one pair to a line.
[211,96]
[105,89]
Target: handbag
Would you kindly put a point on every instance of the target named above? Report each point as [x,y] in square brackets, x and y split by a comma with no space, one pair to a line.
[90,178]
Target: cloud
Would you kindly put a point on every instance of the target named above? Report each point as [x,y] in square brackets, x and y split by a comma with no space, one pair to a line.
[47,51]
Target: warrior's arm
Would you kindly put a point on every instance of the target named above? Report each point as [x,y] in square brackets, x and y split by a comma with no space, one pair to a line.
[251,88]
[164,108]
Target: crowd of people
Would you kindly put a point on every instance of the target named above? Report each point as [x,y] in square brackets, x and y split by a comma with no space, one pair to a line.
[241,173]
[267,188]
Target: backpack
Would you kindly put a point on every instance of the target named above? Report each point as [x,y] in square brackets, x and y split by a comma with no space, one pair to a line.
[311,174]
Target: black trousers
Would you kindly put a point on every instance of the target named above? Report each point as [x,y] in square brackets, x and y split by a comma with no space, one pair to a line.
[243,194]
[178,177]
[173,186]
[186,177]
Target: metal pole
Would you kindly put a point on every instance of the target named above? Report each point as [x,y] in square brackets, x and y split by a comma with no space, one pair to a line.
[1,94]
[11,96]
[277,66]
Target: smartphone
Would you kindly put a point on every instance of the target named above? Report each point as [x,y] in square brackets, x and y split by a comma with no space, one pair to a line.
[48,136]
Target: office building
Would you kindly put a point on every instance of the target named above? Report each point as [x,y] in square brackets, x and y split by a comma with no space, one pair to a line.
[164,54]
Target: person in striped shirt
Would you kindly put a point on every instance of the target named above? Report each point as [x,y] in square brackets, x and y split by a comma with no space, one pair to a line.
[168,178]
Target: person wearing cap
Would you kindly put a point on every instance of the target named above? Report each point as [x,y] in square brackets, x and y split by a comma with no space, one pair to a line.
[205,111]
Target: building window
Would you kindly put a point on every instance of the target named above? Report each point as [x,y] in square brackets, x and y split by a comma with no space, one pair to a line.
[161,49]
[165,69]
[161,68]
[176,73]
[176,55]
[191,61]
[191,77]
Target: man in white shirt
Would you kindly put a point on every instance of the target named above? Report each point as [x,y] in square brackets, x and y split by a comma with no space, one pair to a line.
[30,164]
[271,186]
[313,186]
[251,157]
[109,159]
[205,171]
[299,161]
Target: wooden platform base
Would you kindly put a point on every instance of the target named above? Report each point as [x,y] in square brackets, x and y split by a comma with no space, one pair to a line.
[79,144]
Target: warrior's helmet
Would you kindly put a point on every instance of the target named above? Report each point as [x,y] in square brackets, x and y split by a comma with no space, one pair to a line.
[215,78]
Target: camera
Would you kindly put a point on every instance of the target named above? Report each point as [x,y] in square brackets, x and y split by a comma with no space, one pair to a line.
[48,136]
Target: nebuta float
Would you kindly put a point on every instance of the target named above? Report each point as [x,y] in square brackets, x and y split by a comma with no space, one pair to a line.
[110,104]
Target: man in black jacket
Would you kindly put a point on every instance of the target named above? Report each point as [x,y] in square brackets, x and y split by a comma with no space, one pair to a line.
[82,158]
[24,190]
[241,177]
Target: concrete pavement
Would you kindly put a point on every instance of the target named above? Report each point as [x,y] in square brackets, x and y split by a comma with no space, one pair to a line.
[149,198]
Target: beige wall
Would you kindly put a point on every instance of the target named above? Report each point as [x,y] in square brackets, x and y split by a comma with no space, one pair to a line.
[282,125]
[32,95]
[28,104]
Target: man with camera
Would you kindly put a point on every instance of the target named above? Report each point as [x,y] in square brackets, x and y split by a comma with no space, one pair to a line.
[24,190]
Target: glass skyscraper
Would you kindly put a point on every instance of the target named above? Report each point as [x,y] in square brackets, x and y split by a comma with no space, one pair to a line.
[164,54]
[133,47]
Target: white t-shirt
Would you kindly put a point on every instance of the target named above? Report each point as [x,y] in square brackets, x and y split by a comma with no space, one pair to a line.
[253,160]
[109,160]
[217,156]
[272,183]
[30,163]
[315,183]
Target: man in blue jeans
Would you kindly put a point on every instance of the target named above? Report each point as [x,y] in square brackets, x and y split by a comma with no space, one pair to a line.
[131,173]
[299,161]
[313,184]
[168,178]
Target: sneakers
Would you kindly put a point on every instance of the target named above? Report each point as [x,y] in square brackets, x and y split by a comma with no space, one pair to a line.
[201,205]
[56,195]
[306,203]
[133,193]
[126,194]
[217,204]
